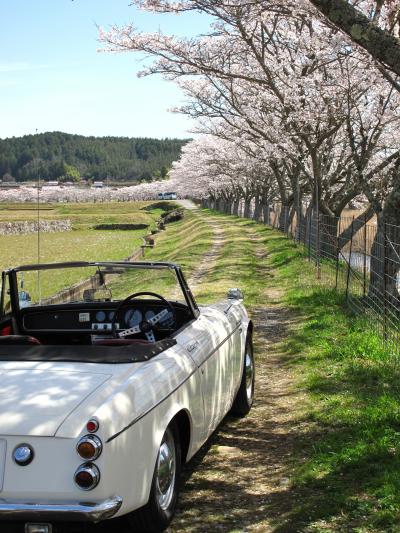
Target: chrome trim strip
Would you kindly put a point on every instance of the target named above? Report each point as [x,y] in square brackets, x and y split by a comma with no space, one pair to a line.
[54,511]
[175,389]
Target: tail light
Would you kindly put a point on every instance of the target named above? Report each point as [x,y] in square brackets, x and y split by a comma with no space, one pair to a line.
[87,476]
[93,425]
[89,447]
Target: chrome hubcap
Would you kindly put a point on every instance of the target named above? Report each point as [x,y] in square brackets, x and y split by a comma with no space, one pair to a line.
[249,376]
[166,471]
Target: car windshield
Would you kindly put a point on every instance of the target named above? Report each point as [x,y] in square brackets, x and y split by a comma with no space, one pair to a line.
[100,282]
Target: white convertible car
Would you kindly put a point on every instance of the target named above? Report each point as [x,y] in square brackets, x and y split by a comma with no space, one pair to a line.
[111,377]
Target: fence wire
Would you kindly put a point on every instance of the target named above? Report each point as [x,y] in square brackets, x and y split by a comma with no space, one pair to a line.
[358,258]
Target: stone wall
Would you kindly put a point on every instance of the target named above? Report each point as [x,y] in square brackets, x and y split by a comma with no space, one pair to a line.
[23,227]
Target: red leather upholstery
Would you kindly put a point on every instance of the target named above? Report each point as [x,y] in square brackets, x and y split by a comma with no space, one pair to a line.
[18,340]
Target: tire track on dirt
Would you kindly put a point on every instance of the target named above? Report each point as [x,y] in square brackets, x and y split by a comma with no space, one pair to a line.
[209,260]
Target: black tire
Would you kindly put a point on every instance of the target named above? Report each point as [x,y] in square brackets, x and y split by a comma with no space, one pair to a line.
[245,394]
[157,514]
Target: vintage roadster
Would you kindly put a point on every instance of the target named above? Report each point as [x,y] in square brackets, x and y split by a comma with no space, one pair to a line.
[111,377]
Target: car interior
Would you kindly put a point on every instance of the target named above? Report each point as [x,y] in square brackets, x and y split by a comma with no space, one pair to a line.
[141,318]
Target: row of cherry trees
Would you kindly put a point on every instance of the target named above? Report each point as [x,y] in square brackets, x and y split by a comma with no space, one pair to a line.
[56,194]
[289,109]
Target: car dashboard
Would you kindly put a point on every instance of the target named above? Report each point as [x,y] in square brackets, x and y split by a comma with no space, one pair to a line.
[80,321]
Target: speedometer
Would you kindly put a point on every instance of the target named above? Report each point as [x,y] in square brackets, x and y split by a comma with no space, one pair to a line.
[133,317]
[149,314]
[100,316]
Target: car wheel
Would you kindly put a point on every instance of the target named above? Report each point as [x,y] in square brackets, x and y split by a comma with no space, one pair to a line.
[245,395]
[157,514]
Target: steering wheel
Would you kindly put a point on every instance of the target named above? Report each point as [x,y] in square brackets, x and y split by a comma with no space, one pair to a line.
[145,326]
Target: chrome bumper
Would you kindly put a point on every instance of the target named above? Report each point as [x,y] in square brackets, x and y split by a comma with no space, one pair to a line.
[60,512]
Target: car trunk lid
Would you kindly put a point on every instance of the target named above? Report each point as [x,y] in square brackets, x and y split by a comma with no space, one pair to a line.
[36,401]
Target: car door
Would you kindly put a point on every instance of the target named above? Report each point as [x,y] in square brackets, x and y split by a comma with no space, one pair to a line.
[208,340]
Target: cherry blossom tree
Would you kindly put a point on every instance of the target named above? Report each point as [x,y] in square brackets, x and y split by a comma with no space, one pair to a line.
[289,107]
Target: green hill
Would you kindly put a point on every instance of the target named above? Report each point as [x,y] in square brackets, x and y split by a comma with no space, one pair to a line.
[58,155]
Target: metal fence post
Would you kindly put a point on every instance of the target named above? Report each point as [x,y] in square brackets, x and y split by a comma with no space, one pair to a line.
[365,258]
[385,273]
[287,225]
[318,263]
[338,252]
[349,262]
[298,226]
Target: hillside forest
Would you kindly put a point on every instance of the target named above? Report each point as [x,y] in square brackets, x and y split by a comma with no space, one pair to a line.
[65,157]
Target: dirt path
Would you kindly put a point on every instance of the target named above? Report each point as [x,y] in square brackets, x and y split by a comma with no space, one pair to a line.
[240,481]
[207,264]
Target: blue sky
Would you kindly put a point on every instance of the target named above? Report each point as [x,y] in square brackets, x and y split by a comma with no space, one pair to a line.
[53,79]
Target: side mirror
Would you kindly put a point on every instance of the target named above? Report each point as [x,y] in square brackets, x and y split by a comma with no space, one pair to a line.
[24,299]
[235,294]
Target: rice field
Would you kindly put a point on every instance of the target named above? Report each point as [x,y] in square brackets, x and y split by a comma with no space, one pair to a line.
[83,243]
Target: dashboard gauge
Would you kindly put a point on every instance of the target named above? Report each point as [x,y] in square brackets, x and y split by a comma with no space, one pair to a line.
[111,315]
[100,316]
[149,314]
[133,317]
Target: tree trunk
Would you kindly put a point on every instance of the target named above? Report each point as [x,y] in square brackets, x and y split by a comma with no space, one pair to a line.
[359,223]
[385,255]
[235,208]
[283,218]
[379,43]
[257,209]
[265,210]
[247,208]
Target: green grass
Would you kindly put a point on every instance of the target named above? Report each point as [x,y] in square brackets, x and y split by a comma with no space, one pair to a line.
[346,474]
[354,412]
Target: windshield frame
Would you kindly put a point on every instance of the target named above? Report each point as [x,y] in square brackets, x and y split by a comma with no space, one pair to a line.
[11,273]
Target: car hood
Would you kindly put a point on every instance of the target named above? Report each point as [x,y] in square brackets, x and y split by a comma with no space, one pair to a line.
[35,400]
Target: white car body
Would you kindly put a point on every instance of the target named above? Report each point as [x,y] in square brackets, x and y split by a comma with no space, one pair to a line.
[47,404]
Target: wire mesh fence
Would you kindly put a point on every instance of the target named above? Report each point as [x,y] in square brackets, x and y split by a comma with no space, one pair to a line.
[358,258]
